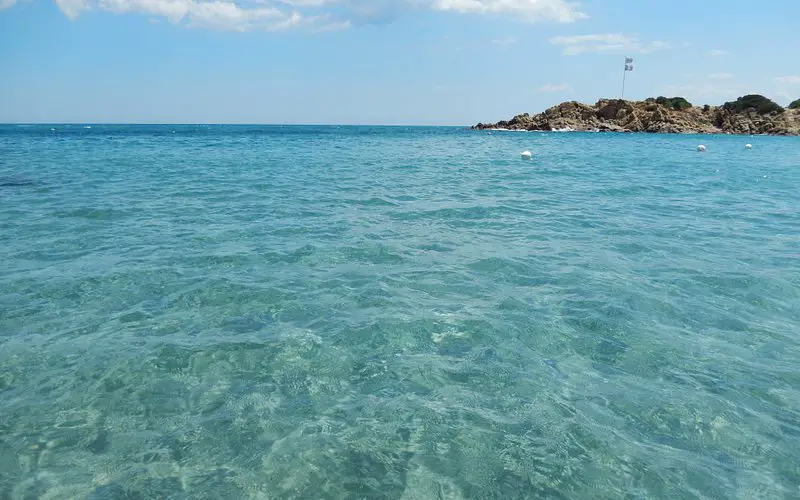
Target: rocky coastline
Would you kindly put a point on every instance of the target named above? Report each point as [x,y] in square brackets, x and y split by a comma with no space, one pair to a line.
[752,115]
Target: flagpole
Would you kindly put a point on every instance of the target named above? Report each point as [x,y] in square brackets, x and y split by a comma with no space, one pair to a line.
[628,66]
[624,71]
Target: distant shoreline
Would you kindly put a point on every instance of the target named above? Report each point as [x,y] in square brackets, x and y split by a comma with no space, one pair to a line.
[623,132]
[749,115]
[200,124]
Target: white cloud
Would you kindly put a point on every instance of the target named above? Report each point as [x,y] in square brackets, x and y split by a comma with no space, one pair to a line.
[333,26]
[216,14]
[229,16]
[7,4]
[305,3]
[72,8]
[551,87]
[174,10]
[717,52]
[529,10]
[609,42]
[721,76]
[319,15]
[790,80]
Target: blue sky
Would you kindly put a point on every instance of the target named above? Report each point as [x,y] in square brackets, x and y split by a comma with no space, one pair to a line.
[379,61]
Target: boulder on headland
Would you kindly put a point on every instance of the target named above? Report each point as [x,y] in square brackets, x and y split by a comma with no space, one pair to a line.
[750,114]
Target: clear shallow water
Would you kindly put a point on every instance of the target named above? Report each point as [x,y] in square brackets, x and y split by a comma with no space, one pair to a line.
[324,312]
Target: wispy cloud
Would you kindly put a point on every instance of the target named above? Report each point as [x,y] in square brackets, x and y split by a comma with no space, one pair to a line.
[791,80]
[554,87]
[218,15]
[528,10]
[329,27]
[705,91]
[717,52]
[504,41]
[608,42]
[316,15]
[6,4]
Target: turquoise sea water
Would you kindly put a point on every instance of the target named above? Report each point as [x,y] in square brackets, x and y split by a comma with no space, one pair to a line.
[192,312]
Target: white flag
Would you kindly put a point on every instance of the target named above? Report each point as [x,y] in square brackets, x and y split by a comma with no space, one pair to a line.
[629,67]
[628,60]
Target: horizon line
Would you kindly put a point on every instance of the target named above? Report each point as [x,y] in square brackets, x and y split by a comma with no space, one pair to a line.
[310,124]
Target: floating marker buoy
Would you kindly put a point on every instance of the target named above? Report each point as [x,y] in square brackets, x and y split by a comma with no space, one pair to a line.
[748,146]
[701,148]
[526,155]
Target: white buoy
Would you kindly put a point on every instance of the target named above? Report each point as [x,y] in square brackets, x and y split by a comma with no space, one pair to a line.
[526,155]
[701,148]
[748,146]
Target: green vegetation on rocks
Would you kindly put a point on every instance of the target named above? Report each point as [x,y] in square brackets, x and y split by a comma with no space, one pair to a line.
[795,104]
[757,102]
[676,103]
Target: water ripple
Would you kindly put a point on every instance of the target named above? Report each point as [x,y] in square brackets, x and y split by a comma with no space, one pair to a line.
[358,312]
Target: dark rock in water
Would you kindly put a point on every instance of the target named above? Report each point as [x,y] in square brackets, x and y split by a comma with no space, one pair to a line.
[100,444]
[554,366]
[108,492]
[169,488]
[405,433]
[249,323]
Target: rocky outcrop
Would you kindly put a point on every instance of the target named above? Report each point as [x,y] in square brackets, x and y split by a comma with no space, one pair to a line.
[616,115]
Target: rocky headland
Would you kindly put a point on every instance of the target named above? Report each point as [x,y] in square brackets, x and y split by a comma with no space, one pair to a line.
[750,114]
